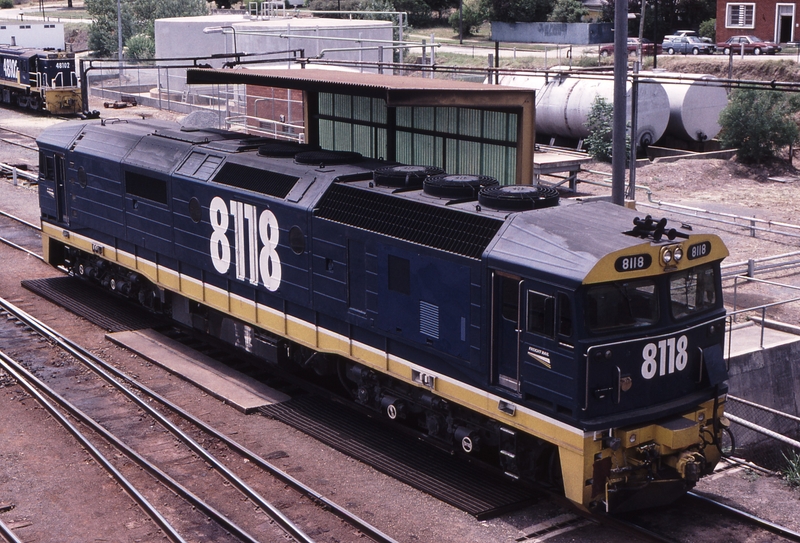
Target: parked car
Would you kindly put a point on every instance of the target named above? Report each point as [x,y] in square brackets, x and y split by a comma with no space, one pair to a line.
[633,44]
[752,44]
[682,33]
[687,44]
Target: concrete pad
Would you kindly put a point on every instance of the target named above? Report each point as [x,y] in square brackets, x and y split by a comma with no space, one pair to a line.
[748,339]
[241,391]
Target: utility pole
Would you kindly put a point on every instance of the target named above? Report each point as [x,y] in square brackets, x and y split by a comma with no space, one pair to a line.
[620,84]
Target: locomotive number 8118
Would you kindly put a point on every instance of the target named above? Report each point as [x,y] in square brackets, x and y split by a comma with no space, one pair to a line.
[558,346]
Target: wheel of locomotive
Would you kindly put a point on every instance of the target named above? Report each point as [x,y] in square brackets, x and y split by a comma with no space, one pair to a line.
[22,100]
[404,176]
[327,157]
[457,186]
[35,102]
[112,284]
[518,197]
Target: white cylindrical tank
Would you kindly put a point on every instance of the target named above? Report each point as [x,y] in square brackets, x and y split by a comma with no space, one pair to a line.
[695,105]
[564,104]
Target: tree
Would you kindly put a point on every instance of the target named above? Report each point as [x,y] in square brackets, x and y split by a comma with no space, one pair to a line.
[520,11]
[473,16]
[138,16]
[759,123]
[568,11]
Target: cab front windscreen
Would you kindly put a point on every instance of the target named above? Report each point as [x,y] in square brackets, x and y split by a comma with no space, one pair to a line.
[639,303]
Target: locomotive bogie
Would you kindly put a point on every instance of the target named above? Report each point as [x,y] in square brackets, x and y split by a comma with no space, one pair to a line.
[513,337]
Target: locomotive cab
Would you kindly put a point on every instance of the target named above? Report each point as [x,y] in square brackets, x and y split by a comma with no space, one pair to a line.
[605,341]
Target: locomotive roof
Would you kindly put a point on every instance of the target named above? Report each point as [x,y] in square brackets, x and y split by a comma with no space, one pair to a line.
[565,241]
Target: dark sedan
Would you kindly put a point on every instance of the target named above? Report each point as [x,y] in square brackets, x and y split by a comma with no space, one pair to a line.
[633,44]
[752,45]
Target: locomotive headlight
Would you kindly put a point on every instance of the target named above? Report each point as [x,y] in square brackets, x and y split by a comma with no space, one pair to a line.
[666,257]
[677,254]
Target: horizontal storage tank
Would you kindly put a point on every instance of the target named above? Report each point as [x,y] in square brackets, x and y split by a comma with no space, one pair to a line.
[564,102]
[695,104]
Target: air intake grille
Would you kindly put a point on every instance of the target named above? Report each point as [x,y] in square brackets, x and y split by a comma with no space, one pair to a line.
[429,319]
[256,180]
[438,227]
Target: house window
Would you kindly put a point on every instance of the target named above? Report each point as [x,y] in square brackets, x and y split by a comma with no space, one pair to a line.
[740,16]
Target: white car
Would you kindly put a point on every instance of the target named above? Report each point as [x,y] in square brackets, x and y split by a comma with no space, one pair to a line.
[682,33]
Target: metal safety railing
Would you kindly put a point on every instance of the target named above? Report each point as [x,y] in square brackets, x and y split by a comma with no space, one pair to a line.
[17,173]
[762,435]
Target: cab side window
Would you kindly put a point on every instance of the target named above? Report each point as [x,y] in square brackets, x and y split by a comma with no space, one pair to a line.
[541,313]
[549,315]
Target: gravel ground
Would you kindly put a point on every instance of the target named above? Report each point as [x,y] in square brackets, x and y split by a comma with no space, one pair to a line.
[391,506]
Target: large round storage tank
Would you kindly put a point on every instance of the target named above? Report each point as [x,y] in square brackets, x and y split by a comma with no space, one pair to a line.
[694,104]
[563,105]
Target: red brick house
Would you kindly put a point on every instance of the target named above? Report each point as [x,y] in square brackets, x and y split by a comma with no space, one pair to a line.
[771,20]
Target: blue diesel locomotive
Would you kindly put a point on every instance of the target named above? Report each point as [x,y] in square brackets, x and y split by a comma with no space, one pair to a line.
[564,341]
[40,80]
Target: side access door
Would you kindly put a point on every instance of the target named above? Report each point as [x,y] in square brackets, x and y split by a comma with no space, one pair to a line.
[506,330]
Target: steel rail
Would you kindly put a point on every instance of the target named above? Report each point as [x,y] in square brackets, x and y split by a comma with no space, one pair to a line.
[22,221]
[20,248]
[346,515]
[134,456]
[28,147]
[9,536]
[14,245]
[89,361]
[13,368]
[771,526]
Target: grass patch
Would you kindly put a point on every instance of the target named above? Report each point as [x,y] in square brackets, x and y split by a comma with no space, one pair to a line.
[791,473]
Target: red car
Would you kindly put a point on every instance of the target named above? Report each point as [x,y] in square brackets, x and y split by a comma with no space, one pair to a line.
[752,44]
[633,44]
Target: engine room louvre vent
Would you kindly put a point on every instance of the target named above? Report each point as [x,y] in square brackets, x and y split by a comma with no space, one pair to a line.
[429,319]
[256,179]
[446,229]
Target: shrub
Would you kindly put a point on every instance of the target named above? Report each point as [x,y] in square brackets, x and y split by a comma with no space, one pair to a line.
[759,123]
[6,4]
[600,124]
[709,29]
[141,46]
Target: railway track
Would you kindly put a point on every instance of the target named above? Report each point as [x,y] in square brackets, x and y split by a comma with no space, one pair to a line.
[174,456]
[555,529]
[21,234]
[18,139]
